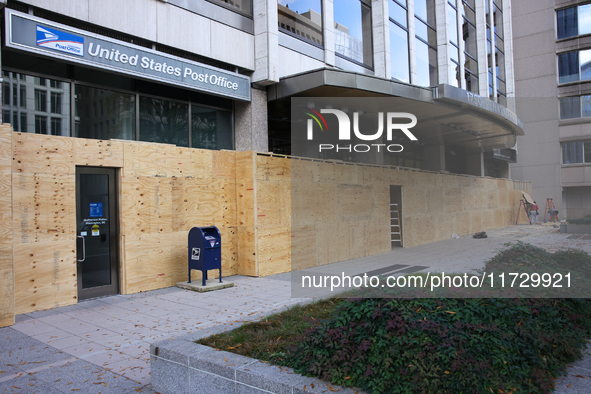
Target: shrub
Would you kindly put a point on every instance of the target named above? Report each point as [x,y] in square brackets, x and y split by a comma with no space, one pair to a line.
[584,220]
[445,345]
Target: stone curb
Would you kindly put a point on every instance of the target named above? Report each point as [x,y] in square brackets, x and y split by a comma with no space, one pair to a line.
[180,365]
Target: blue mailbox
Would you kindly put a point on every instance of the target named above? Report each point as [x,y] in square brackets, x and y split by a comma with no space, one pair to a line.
[205,251]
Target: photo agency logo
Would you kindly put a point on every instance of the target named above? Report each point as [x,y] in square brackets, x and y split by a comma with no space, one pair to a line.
[392,122]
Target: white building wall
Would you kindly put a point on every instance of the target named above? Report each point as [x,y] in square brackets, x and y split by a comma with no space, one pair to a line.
[150,20]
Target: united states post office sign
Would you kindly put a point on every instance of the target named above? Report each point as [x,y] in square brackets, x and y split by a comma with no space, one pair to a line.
[39,36]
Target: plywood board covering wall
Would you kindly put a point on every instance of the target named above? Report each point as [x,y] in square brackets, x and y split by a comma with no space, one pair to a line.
[164,191]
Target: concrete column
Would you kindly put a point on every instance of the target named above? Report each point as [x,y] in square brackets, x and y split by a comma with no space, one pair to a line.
[412,43]
[461,45]
[509,70]
[481,48]
[443,62]
[250,123]
[328,31]
[491,22]
[266,42]
[381,38]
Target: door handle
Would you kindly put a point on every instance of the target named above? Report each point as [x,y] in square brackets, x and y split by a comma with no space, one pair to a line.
[83,248]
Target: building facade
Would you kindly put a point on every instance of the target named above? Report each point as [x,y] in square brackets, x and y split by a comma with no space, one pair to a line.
[128,123]
[552,63]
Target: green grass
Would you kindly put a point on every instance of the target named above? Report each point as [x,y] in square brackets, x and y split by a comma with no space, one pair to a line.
[268,339]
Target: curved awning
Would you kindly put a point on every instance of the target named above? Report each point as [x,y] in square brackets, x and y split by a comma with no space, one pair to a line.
[446,115]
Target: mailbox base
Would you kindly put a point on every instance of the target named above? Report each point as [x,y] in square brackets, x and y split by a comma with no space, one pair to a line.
[211,285]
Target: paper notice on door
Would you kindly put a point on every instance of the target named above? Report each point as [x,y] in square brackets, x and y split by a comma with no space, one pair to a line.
[95,230]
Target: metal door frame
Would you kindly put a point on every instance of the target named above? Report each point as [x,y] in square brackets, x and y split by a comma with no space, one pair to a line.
[114,287]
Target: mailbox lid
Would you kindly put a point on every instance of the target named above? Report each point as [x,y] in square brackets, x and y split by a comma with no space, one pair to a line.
[211,237]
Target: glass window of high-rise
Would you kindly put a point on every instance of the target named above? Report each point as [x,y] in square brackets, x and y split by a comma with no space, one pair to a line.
[301,19]
[426,42]
[352,29]
[240,6]
[573,21]
[470,46]
[575,107]
[399,60]
[454,49]
[574,66]
[576,152]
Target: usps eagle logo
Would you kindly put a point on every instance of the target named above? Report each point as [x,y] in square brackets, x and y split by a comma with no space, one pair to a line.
[60,41]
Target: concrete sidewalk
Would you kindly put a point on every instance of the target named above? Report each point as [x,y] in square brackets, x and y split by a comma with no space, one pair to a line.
[102,345]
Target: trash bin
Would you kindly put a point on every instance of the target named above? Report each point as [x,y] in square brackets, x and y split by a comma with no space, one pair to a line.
[205,251]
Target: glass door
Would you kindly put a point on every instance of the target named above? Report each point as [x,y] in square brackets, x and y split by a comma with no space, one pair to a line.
[97,236]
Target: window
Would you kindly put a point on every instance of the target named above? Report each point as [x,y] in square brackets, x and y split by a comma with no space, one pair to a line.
[454,77]
[576,152]
[574,66]
[352,28]
[24,128]
[570,107]
[38,106]
[211,128]
[575,107]
[118,110]
[470,47]
[40,124]
[56,126]
[40,100]
[23,96]
[241,6]
[56,103]
[164,121]
[573,21]
[399,60]
[426,65]
[301,18]
[6,93]
[426,42]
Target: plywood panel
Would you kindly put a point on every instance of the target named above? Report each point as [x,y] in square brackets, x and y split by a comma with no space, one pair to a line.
[246,253]
[355,203]
[149,159]
[6,224]
[475,221]
[45,275]
[273,204]
[303,247]
[99,153]
[454,200]
[313,202]
[274,250]
[44,207]
[147,205]
[245,165]
[270,168]
[36,153]
[304,171]
[55,207]
[224,164]
[154,261]
[228,203]
[414,200]
[349,174]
